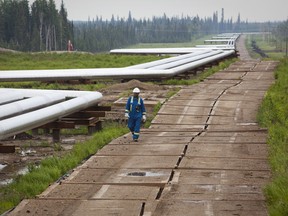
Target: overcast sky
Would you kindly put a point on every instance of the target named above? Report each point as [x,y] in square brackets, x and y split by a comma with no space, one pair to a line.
[251,10]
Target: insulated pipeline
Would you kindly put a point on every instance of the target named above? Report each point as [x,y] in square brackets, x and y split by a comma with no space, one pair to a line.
[20,123]
[116,73]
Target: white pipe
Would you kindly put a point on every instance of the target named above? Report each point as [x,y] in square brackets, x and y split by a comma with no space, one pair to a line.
[187,61]
[98,73]
[217,40]
[30,104]
[8,98]
[201,62]
[159,50]
[24,122]
[41,92]
[219,46]
[167,60]
[184,50]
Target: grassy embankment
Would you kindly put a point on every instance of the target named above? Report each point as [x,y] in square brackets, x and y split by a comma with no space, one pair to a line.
[273,114]
[51,169]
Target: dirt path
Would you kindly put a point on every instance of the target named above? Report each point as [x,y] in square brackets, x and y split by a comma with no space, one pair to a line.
[203,155]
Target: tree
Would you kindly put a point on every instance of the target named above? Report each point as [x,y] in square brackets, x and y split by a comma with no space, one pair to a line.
[43,28]
[222,29]
[64,27]
[1,22]
[52,26]
[282,36]
[39,14]
[22,25]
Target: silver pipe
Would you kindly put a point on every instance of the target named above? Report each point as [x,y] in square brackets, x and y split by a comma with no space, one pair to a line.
[201,62]
[219,46]
[158,50]
[186,61]
[5,97]
[28,121]
[98,73]
[30,104]
[218,40]
[41,92]
[167,60]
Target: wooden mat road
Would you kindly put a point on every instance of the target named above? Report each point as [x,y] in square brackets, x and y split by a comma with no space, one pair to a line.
[204,154]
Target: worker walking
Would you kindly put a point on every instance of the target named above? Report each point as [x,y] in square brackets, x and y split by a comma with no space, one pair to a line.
[135,113]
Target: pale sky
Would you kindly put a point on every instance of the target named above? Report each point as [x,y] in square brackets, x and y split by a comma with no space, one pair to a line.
[251,10]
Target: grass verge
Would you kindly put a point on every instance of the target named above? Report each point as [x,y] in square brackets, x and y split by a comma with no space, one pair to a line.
[273,114]
[51,169]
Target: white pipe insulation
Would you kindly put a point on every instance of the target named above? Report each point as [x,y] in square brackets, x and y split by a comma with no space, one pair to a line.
[34,119]
[165,61]
[29,104]
[187,61]
[116,73]
[164,51]
[8,98]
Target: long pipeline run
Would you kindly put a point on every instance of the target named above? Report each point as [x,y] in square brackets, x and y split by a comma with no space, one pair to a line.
[23,110]
[179,66]
[188,59]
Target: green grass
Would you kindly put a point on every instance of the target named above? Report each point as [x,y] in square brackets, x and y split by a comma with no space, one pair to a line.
[33,61]
[265,43]
[273,114]
[51,169]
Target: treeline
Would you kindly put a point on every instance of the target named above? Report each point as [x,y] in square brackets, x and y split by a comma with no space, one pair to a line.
[99,35]
[281,36]
[102,35]
[39,27]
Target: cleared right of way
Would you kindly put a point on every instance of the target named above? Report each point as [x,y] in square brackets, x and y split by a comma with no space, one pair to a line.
[204,154]
[224,167]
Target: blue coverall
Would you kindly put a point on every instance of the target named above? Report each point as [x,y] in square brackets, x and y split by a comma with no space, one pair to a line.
[136,109]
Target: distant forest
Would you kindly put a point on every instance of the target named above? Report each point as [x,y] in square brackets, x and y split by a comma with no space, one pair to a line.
[42,27]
